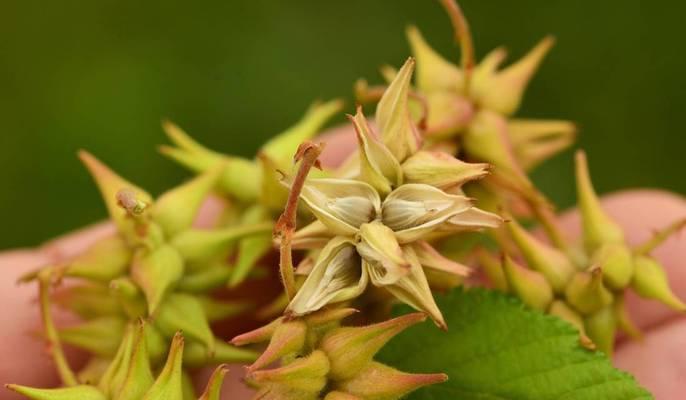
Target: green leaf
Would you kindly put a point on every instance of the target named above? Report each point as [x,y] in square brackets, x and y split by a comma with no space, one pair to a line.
[498,349]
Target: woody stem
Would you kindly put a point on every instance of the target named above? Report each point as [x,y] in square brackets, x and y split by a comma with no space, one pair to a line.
[285,227]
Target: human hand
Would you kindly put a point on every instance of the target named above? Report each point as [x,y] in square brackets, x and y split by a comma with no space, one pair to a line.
[657,362]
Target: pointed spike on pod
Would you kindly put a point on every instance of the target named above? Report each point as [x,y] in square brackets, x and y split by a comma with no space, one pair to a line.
[551,262]
[433,71]
[114,375]
[259,335]
[463,36]
[379,381]
[587,293]
[184,312]
[100,335]
[598,227]
[530,286]
[196,355]
[601,327]
[378,166]
[560,309]
[81,392]
[328,316]
[139,377]
[535,140]
[504,91]
[288,338]
[182,139]
[306,374]
[432,259]
[218,310]
[617,264]
[350,349]
[252,248]
[156,272]
[650,281]
[393,116]
[105,260]
[203,245]
[109,184]
[441,170]
[176,209]
[168,385]
[214,385]
[282,146]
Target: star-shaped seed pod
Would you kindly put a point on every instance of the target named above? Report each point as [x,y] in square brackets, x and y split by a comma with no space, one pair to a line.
[320,359]
[155,266]
[251,186]
[470,107]
[379,219]
[129,375]
[586,284]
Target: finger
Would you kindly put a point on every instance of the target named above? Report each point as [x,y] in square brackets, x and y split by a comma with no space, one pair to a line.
[640,213]
[658,362]
[25,359]
[76,242]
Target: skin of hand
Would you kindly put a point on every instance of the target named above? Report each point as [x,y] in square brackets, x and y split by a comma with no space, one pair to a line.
[658,361]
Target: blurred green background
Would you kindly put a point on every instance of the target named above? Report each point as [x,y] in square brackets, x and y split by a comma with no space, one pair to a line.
[100,75]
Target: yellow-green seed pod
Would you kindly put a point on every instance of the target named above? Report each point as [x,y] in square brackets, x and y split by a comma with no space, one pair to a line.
[530,286]
[587,293]
[601,327]
[650,281]
[617,264]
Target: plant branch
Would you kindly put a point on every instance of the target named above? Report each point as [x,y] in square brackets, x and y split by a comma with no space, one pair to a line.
[307,155]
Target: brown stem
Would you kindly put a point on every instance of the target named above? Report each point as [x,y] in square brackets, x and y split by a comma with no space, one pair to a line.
[307,154]
[659,237]
[54,344]
[463,36]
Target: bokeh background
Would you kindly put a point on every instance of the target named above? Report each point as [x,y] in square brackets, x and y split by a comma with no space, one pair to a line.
[100,75]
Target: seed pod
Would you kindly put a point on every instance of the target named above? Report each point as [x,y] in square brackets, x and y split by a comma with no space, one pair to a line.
[350,349]
[650,281]
[552,263]
[156,272]
[139,376]
[393,118]
[493,269]
[601,327]
[378,166]
[214,386]
[196,355]
[168,385]
[184,312]
[503,90]
[587,293]
[105,260]
[441,170]
[535,141]
[377,244]
[110,184]
[413,210]
[240,178]
[617,263]
[176,209]
[337,276]
[81,392]
[530,286]
[100,336]
[288,338]
[560,309]
[380,382]
[599,228]
[306,375]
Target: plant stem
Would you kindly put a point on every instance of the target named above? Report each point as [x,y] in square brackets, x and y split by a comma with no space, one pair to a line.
[307,154]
